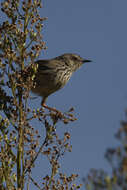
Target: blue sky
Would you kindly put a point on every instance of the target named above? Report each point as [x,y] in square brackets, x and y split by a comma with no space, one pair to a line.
[95,30]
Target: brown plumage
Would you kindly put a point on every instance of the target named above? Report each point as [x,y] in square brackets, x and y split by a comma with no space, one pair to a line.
[53,74]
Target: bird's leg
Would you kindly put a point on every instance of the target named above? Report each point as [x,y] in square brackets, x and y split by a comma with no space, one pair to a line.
[49,108]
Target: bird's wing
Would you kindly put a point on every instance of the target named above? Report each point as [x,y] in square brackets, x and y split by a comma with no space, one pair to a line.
[43,65]
[47,65]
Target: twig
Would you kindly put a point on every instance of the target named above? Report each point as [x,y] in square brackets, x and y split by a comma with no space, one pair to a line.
[34,159]
[34,182]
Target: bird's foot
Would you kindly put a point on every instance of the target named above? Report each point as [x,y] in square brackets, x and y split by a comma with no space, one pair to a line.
[59,113]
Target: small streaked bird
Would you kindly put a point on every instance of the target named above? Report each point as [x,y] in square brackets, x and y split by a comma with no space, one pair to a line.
[53,74]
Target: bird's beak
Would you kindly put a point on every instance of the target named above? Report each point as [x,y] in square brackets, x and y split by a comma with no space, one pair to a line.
[86,61]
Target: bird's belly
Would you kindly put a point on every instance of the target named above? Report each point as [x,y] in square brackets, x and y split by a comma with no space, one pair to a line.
[47,88]
[48,85]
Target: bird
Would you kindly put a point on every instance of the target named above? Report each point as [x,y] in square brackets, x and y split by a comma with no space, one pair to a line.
[53,74]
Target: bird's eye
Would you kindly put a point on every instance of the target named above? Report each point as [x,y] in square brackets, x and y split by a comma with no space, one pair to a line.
[75,58]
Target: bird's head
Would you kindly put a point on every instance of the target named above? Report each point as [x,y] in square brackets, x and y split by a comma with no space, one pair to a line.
[73,61]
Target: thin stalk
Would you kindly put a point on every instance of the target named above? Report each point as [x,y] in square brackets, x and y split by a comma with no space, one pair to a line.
[20,135]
